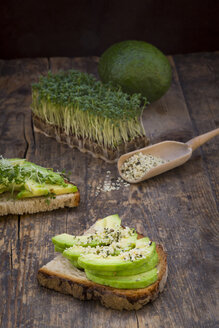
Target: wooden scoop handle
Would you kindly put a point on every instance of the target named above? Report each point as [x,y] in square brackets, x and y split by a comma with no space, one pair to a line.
[200,140]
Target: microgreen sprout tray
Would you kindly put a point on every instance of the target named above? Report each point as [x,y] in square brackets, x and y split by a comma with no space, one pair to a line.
[80,106]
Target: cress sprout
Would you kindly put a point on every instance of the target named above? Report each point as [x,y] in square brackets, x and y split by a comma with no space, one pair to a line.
[82,106]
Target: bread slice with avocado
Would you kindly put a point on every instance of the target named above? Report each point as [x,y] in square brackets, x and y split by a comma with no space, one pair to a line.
[29,188]
[125,279]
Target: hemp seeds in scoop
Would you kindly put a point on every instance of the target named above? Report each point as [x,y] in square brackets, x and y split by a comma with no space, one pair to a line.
[136,166]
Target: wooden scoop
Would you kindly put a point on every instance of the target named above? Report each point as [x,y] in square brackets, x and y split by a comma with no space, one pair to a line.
[174,152]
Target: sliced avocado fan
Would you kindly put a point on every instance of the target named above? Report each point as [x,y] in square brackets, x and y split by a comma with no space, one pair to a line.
[111,255]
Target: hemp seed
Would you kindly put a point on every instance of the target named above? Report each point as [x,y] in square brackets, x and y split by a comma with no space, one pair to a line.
[139,164]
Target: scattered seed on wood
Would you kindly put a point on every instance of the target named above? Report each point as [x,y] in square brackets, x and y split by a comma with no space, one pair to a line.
[110,184]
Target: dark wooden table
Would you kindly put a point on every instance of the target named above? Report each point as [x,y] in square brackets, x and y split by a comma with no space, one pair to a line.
[178,209]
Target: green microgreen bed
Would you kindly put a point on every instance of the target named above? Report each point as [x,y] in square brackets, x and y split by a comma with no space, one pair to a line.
[87,108]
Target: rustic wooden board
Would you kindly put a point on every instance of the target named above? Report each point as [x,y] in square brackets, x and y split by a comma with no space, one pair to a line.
[178,209]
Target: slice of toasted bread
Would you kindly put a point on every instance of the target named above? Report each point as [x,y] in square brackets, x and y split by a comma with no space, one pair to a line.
[10,205]
[60,275]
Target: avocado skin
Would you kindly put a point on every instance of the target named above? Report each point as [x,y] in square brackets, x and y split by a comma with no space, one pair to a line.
[137,67]
[141,280]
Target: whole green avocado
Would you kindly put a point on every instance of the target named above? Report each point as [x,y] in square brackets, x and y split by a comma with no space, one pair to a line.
[138,67]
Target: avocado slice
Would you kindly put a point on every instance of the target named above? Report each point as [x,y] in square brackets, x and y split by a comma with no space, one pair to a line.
[63,241]
[75,264]
[152,262]
[149,265]
[58,249]
[36,189]
[24,194]
[68,188]
[141,280]
[116,263]
[74,252]
[126,244]
[31,180]
[111,221]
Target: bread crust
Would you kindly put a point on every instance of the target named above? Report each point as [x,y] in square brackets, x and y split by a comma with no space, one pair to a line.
[75,283]
[9,205]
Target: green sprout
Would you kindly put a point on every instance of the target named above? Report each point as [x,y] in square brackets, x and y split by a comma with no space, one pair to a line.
[16,171]
[86,108]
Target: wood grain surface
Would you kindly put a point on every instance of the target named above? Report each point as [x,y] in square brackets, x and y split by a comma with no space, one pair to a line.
[178,209]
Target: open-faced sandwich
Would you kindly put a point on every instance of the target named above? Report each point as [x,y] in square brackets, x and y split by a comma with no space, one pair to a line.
[97,118]
[29,188]
[109,263]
